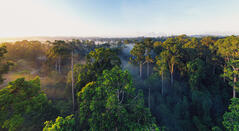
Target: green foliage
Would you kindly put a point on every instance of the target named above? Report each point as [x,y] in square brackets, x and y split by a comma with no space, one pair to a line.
[231,71]
[23,104]
[97,61]
[161,65]
[108,98]
[157,47]
[111,103]
[138,56]
[199,97]
[228,48]
[61,124]
[196,70]
[4,65]
[103,58]
[28,50]
[172,54]
[231,118]
[137,53]
[216,128]
[59,49]
[3,50]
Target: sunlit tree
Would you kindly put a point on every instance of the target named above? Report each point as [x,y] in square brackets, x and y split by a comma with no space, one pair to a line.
[58,51]
[138,56]
[61,124]
[111,102]
[228,48]
[172,53]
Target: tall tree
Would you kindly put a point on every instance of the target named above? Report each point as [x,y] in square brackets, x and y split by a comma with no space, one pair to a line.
[228,48]
[148,58]
[4,65]
[172,52]
[207,43]
[209,51]
[138,56]
[161,68]
[73,48]
[231,71]
[58,51]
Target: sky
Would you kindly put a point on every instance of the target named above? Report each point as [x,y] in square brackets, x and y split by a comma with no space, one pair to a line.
[118,18]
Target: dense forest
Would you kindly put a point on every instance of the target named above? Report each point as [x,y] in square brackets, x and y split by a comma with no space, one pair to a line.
[178,83]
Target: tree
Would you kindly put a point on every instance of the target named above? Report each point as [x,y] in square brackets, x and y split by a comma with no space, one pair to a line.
[4,65]
[23,105]
[161,68]
[207,44]
[72,80]
[126,41]
[74,48]
[58,51]
[231,119]
[172,52]
[102,59]
[209,52]
[228,48]
[196,72]
[231,71]
[148,58]
[138,53]
[157,47]
[61,124]
[97,61]
[111,103]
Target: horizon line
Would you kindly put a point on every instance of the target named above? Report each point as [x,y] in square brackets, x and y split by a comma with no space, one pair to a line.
[149,35]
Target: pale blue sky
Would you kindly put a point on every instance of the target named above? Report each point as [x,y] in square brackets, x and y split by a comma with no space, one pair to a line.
[118,17]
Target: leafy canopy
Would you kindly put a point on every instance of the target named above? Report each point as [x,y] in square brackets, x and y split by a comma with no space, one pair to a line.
[22,103]
[231,119]
[111,102]
[61,124]
[97,61]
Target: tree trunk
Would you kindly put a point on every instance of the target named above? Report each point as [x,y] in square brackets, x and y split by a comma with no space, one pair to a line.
[140,69]
[171,79]
[162,84]
[214,70]
[147,69]
[149,99]
[59,65]
[172,70]
[224,78]
[234,85]
[206,59]
[56,65]
[72,81]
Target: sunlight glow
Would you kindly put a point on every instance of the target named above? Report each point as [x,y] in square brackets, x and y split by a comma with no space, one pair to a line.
[117,18]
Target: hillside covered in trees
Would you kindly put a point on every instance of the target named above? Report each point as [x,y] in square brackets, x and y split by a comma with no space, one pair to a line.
[177,83]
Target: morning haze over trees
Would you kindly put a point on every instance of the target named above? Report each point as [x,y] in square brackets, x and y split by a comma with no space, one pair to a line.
[173,83]
[91,65]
